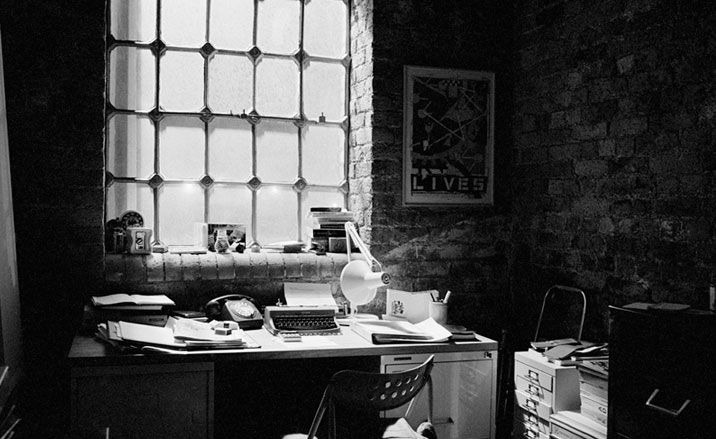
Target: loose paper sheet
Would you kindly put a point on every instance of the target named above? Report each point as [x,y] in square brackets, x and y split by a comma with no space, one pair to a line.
[308,294]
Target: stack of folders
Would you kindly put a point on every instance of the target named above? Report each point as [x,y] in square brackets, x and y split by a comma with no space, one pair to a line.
[330,235]
[135,308]
[396,331]
[178,335]
[593,385]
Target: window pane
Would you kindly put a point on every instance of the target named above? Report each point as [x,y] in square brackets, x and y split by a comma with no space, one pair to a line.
[278,26]
[276,152]
[130,146]
[181,147]
[183,22]
[232,24]
[180,206]
[122,197]
[134,20]
[277,87]
[230,84]
[276,214]
[131,78]
[230,204]
[324,90]
[324,32]
[230,150]
[323,155]
[181,81]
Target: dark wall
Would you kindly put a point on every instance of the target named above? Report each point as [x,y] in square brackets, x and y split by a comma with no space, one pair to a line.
[463,249]
[53,58]
[614,124]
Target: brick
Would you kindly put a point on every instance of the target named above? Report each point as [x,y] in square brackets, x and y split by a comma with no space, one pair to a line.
[587,132]
[628,127]
[191,270]
[259,265]
[172,267]
[590,168]
[155,267]
[242,266]
[309,265]
[225,265]
[208,266]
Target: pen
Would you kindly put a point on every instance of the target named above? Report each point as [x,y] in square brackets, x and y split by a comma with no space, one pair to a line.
[447,296]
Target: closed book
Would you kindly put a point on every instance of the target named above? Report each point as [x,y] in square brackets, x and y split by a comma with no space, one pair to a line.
[329,233]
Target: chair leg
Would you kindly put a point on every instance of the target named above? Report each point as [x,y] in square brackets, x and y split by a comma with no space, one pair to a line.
[332,434]
[325,401]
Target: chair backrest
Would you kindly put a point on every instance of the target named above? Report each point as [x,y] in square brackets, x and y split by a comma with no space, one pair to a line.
[373,391]
[379,391]
[562,314]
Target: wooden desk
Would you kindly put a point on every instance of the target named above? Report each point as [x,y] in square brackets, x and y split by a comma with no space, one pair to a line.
[265,392]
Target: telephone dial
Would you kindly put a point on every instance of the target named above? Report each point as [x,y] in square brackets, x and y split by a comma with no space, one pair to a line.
[239,308]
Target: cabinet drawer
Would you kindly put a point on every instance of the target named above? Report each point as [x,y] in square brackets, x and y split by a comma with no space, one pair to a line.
[533,375]
[522,429]
[533,405]
[534,389]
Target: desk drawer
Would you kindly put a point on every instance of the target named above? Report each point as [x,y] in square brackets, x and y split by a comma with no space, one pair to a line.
[533,405]
[533,375]
[533,389]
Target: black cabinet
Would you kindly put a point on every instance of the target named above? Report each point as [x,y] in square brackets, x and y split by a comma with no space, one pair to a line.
[662,374]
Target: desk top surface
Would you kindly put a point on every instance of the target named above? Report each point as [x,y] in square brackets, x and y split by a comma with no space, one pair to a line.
[88,351]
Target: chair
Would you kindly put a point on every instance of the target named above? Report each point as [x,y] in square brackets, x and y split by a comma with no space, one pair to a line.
[372,391]
[562,314]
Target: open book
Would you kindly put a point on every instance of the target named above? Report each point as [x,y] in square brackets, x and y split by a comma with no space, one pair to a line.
[398,331]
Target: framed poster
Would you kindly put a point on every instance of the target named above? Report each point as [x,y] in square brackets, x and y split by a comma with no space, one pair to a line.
[448,136]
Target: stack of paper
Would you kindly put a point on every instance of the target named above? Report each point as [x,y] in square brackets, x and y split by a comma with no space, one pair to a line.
[178,334]
[396,331]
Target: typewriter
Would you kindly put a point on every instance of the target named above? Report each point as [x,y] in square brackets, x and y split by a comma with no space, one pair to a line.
[304,320]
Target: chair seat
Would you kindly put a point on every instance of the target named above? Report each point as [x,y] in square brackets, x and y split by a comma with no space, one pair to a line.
[398,430]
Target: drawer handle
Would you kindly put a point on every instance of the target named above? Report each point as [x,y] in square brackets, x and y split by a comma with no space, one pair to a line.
[531,405]
[532,375]
[533,390]
[529,434]
[658,408]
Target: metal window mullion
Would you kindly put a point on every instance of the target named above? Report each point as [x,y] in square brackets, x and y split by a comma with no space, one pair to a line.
[206,106]
[299,195]
[346,106]
[254,193]
[155,191]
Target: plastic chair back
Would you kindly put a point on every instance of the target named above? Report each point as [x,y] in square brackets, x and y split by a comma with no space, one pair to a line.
[373,391]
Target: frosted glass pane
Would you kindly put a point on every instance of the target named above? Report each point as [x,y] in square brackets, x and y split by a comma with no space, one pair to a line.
[134,20]
[324,32]
[181,148]
[180,206]
[276,152]
[130,146]
[323,155]
[276,215]
[278,26]
[131,78]
[181,81]
[183,22]
[230,84]
[230,150]
[277,87]
[230,204]
[324,90]
[232,24]
[122,197]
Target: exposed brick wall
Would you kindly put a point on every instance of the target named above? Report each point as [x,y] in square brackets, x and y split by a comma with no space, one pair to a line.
[464,249]
[614,152]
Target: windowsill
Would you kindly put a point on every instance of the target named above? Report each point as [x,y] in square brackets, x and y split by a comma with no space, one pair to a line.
[169,267]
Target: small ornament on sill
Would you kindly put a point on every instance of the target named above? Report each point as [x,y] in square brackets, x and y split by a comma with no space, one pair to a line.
[322,118]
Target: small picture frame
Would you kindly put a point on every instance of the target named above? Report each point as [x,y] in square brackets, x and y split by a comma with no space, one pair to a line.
[234,234]
[448,136]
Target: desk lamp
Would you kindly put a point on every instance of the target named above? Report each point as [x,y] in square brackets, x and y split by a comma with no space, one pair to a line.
[359,279]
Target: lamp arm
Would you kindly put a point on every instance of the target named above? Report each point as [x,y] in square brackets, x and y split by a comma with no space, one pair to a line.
[352,234]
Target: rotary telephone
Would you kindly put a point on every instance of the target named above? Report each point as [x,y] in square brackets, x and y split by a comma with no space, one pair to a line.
[239,308]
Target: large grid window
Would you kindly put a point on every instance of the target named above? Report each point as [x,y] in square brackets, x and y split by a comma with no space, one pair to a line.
[226,111]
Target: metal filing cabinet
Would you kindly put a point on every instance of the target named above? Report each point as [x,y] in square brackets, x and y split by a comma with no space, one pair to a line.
[541,388]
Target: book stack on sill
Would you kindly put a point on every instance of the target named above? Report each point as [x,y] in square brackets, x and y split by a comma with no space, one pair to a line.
[330,233]
[135,308]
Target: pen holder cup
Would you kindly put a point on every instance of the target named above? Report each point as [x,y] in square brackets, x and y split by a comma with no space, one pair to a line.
[438,311]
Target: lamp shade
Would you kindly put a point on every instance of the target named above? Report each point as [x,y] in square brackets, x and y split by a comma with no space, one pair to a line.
[359,282]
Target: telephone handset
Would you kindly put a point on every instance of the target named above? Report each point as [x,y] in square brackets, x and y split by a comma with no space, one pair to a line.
[239,308]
